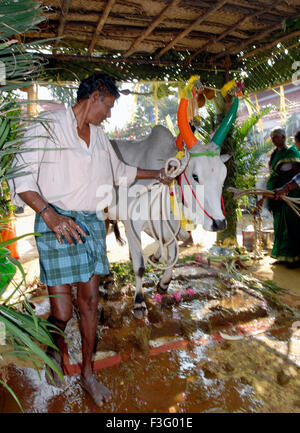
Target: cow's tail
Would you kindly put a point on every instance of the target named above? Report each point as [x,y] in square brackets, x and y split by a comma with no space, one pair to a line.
[117,233]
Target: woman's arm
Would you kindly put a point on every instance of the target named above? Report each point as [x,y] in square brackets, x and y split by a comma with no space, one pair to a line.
[259,204]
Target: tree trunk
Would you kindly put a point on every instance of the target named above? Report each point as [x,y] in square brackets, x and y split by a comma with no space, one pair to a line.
[229,203]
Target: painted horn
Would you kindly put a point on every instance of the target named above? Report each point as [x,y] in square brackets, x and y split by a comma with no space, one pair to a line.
[179,141]
[185,130]
[226,124]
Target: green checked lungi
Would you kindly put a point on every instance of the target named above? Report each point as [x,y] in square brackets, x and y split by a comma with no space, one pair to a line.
[66,264]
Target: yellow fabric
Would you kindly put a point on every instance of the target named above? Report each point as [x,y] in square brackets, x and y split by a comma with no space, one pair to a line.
[184,223]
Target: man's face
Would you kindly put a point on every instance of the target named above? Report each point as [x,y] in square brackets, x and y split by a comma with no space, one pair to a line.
[278,140]
[100,108]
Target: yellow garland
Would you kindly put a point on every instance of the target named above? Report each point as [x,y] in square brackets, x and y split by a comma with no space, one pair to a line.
[227,87]
[184,223]
[187,91]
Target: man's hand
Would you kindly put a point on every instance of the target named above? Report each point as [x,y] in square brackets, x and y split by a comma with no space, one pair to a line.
[163,178]
[63,226]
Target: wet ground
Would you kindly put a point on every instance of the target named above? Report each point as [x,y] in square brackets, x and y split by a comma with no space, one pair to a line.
[214,344]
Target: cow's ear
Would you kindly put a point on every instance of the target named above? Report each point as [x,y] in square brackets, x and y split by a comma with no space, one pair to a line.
[225,157]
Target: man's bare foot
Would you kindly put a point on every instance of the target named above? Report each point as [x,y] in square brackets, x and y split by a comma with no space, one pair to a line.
[56,359]
[98,392]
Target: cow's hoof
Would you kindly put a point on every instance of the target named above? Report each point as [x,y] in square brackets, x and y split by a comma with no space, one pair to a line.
[154,259]
[140,312]
[160,289]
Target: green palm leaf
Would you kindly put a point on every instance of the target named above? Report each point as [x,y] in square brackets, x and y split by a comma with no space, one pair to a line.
[21,336]
[12,393]
[32,325]
[22,65]
[11,241]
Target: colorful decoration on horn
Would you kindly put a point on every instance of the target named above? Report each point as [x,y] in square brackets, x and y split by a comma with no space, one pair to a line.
[191,93]
[226,124]
[232,88]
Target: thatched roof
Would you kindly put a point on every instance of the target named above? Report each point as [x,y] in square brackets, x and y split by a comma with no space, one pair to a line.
[152,39]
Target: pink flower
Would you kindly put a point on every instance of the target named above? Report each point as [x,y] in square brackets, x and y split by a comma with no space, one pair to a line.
[177,296]
[158,297]
[190,292]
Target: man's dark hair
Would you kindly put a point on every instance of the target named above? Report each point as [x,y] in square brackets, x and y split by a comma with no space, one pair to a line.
[98,81]
[297,136]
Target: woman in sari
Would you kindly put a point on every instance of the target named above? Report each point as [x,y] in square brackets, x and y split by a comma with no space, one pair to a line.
[284,164]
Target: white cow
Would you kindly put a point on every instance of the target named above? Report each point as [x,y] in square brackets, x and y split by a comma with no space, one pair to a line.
[206,168]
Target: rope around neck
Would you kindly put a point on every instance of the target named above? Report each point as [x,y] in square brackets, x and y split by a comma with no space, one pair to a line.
[173,168]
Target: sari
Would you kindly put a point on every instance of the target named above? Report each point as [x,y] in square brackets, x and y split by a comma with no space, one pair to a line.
[286,222]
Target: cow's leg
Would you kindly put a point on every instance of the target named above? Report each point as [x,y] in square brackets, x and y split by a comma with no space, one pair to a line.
[164,282]
[139,309]
[183,235]
[188,240]
[156,256]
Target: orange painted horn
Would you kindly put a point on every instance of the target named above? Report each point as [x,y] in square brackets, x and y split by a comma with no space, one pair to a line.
[179,141]
[184,127]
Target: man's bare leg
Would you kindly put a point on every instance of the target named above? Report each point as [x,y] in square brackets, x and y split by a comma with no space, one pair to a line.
[88,299]
[61,313]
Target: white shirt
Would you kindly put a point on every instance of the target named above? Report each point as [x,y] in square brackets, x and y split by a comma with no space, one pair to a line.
[64,170]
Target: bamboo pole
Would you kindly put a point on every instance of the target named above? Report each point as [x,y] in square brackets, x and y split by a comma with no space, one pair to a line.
[100,24]
[213,8]
[149,29]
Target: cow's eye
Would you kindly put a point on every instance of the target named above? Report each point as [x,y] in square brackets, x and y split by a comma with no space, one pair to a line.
[195,177]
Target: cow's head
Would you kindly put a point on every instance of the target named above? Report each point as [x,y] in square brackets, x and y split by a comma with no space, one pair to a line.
[205,175]
[206,168]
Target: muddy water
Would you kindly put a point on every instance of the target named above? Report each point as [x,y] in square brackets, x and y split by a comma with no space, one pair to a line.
[236,352]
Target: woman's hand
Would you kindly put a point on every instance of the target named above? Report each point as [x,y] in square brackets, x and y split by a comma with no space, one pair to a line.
[278,193]
[285,189]
[63,226]
[259,204]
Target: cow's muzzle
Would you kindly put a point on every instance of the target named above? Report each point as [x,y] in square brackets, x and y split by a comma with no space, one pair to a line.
[219,225]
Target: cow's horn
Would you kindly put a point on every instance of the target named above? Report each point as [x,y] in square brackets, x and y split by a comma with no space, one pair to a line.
[226,124]
[183,125]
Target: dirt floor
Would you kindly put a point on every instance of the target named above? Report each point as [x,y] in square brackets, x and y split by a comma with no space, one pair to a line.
[213,344]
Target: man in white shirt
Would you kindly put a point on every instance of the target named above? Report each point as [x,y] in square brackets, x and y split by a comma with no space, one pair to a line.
[68,167]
